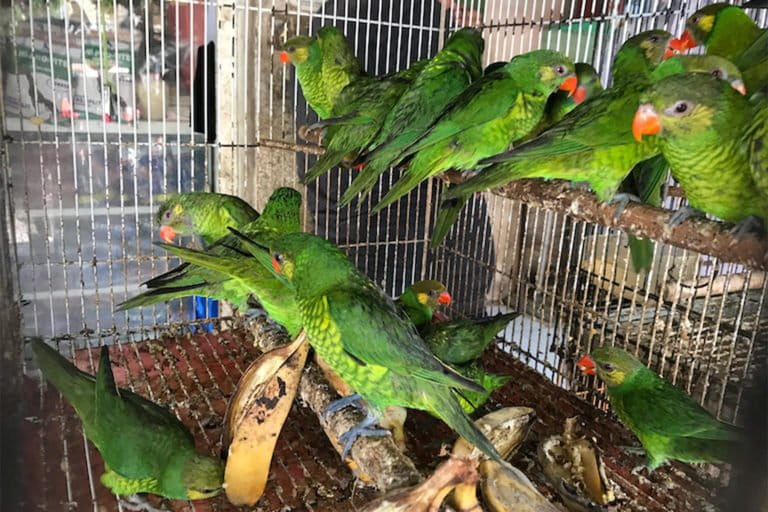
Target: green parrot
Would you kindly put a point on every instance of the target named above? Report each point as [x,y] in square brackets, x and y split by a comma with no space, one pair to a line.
[205,214]
[462,340]
[443,78]
[715,141]
[421,301]
[562,102]
[727,31]
[588,145]
[471,401]
[358,114]
[366,339]
[486,118]
[668,423]
[325,64]
[145,448]
[645,181]
[281,214]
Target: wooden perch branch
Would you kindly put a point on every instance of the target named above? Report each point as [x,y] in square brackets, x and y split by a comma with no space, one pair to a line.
[377,460]
[700,235]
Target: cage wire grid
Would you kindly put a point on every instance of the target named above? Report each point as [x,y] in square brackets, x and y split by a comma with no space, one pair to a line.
[83,188]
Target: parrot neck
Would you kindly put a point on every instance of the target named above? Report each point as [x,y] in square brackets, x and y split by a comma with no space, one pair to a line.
[630,65]
[417,312]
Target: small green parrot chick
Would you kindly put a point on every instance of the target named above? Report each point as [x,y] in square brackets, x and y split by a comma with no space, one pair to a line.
[205,214]
[145,448]
[668,423]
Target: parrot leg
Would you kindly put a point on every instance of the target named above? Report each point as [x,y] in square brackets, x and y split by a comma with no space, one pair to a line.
[362,429]
[623,199]
[138,503]
[353,400]
[632,450]
[748,226]
[684,213]
[579,185]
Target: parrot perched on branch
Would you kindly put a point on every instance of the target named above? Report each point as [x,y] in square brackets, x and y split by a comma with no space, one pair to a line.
[325,64]
[204,214]
[494,111]
[366,339]
[668,423]
[357,116]
[281,214]
[443,78]
[145,448]
[715,141]
[727,31]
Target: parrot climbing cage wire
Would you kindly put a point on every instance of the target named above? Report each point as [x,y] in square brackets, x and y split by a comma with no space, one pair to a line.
[110,105]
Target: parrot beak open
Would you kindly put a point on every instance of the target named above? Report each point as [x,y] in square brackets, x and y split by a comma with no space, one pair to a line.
[167,234]
[586,365]
[444,298]
[646,122]
[580,95]
[570,84]
[285,58]
[439,317]
[739,86]
[682,43]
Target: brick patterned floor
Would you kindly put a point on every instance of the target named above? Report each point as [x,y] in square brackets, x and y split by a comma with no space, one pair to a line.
[195,375]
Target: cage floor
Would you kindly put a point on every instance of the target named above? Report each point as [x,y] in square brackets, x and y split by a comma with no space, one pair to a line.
[196,375]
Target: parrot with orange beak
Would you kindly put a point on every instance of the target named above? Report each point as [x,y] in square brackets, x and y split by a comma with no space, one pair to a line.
[727,31]
[324,64]
[716,143]
[203,214]
[669,424]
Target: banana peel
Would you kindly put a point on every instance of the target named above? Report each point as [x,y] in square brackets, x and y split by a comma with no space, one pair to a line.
[255,417]
[509,490]
[573,465]
[429,495]
[506,429]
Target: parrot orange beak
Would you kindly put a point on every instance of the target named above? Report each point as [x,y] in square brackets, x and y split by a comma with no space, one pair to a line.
[285,58]
[167,233]
[669,53]
[570,84]
[444,298]
[580,95]
[682,43]
[586,365]
[739,86]
[439,317]
[276,266]
[646,122]
[359,167]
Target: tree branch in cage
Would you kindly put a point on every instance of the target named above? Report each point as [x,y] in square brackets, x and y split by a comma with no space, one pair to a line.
[376,461]
[704,236]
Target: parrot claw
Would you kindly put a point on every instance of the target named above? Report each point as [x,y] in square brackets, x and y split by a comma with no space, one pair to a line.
[622,200]
[138,503]
[747,226]
[684,213]
[637,470]
[632,450]
[362,429]
[353,400]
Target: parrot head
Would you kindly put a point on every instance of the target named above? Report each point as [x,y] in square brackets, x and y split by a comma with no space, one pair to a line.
[282,211]
[173,219]
[612,364]
[202,476]
[698,27]
[296,50]
[642,52]
[718,67]
[552,70]
[685,106]
[589,82]
[431,293]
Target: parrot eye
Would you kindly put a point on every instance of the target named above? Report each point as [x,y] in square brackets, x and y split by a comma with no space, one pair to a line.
[717,73]
[679,109]
[608,367]
[431,293]
[168,214]
[560,70]
[654,39]
[278,258]
[291,49]
[696,18]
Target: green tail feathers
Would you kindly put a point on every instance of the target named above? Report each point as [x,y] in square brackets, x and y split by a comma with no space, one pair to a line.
[446,217]
[76,386]
[326,162]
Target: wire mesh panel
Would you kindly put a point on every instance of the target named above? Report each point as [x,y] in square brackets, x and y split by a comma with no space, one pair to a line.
[110,106]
